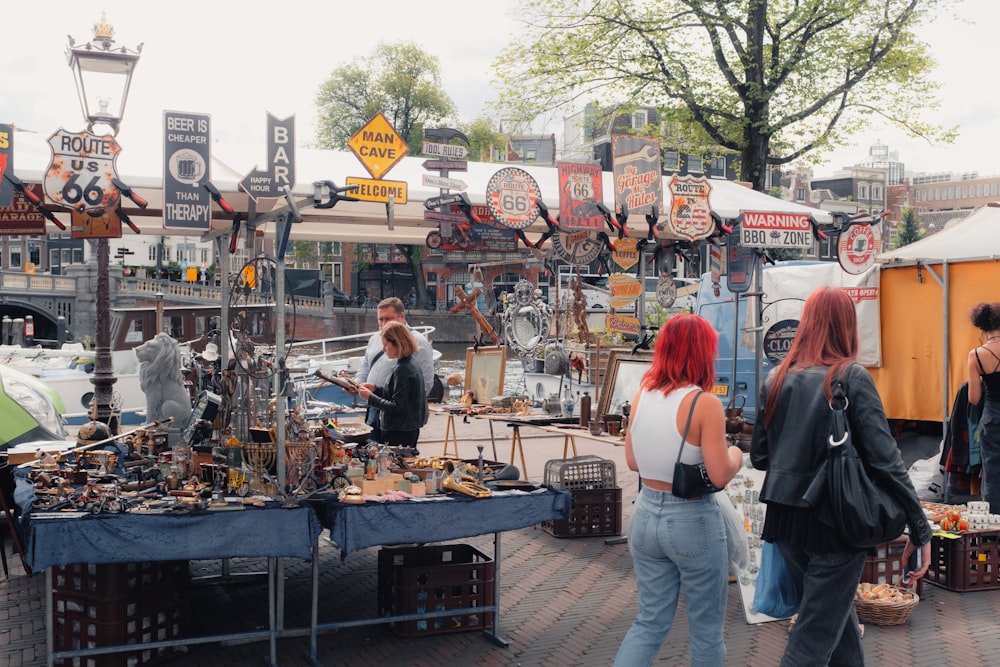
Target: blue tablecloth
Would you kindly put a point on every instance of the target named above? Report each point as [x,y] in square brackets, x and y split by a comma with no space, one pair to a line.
[276,532]
[354,527]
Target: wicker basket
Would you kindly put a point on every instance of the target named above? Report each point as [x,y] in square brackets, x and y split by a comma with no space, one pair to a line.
[884,612]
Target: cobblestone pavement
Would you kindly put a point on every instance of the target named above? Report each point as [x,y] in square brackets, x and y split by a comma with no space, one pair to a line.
[564,601]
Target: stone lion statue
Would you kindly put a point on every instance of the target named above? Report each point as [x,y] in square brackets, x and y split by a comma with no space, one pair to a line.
[161,380]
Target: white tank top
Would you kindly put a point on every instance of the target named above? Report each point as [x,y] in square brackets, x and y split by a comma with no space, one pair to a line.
[655,438]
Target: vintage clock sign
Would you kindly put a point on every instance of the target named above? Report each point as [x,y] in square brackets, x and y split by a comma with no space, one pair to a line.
[82,167]
[512,196]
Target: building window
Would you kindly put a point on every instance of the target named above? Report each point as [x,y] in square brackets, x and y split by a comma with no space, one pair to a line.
[529,154]
[15,257]
[639,120]
[877,193]
[862,192]
[694,163]
[800,194]
[671,160]
[718,167]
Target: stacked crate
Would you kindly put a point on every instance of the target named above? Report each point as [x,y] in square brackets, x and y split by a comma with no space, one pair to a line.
[884,565]
[435,578]
[98,605]
[970,562]
[597,499]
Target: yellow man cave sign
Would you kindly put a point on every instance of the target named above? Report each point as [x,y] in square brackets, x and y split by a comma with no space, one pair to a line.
[378,146]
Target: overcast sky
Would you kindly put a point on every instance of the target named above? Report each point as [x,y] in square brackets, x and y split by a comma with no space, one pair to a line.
[237,63]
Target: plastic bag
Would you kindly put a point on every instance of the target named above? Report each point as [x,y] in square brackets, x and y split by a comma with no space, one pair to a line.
[736,534]
[775,594]
[927,476]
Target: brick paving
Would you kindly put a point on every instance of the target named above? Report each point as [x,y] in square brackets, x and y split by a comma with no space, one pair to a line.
[564,602]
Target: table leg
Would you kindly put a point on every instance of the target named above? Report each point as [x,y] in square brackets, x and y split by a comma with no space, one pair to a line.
[493,440]
[568,439]
[516,445]
[315,605]
[49,619]
[450,433]
[272,612]
[492,633]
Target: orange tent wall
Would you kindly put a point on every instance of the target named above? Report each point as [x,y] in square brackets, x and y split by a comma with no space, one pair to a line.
[913,317]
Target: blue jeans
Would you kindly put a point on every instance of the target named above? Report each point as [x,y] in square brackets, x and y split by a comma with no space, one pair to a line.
[676,544]
[826,631]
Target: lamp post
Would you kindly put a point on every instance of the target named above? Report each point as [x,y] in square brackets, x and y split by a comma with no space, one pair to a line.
[103,76]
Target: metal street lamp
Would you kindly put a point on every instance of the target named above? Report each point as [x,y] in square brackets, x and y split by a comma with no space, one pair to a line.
[103,75]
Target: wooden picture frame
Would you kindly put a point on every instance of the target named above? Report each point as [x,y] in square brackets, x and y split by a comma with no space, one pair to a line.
[484,371]
[621,380]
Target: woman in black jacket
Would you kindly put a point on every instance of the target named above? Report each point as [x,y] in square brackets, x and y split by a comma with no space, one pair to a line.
[402,402]
[789,442]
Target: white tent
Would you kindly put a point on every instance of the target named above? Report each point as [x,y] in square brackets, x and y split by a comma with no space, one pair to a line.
[361,221]
[976,236]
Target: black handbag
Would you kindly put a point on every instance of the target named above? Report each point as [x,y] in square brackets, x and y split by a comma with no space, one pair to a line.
[861,513]
[691,480]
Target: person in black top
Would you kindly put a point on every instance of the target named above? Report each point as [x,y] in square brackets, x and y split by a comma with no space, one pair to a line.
[789,442]
[402,401]
[984,387]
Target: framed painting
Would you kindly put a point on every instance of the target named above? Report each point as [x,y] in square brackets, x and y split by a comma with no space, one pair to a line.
[484,369]
[621,380]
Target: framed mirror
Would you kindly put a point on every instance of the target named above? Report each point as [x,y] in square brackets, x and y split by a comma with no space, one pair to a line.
[484,369]
[622,378]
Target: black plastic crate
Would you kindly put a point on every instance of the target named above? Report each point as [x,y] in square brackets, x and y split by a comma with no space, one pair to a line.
[968,563]
[594,512]
[413,580]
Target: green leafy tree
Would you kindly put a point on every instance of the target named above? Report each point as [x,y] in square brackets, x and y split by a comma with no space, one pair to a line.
[304,254]
[769,79]
[414,255]
[484,136]
[909,228]
[398,79]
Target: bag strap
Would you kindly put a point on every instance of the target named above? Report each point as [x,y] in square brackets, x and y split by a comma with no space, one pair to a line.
[687,426]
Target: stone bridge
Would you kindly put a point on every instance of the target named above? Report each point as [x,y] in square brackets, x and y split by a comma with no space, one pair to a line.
[64,308]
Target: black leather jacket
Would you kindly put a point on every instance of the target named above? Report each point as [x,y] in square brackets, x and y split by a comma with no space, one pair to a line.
[792,449]
[403,401]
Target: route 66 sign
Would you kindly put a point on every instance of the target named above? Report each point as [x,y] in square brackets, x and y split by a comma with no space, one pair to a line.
[79,176]
[512,197]
[690,215]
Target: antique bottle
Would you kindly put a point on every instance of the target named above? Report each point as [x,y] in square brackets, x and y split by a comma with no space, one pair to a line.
[567,403]
[585,409]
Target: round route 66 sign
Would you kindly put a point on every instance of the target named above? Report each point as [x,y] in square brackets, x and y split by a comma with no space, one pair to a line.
[512,197]
[666,291]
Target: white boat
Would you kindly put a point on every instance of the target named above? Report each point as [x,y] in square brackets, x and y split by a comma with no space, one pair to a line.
[69,370]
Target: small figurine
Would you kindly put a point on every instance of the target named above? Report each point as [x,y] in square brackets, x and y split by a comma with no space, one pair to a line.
[468,398]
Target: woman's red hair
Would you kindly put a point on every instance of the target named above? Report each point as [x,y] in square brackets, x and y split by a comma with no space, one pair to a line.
[827,336]
[685,355]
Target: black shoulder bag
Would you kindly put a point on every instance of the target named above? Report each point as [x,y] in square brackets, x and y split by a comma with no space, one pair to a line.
[862,514]
[691,480]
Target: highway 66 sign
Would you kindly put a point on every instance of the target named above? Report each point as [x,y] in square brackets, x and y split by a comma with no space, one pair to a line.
[81,170]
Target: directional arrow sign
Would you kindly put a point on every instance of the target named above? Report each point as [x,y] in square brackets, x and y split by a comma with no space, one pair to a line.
[280,172]
[437,202]
[442,182]
[445,165]
[437,216]
[444,151]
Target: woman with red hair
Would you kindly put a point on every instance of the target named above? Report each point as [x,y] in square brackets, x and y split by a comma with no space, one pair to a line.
[676,542]
[790,443]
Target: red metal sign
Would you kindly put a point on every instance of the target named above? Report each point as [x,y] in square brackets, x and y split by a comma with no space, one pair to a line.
[580,191]
[857,247]
[21,217]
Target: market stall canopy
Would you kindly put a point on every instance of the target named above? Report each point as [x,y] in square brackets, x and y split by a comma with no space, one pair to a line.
[972,237]
[358,221]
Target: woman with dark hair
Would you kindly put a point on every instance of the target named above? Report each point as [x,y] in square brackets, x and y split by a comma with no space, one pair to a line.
[402,401]
[984,382]
[675,542]
[790,442]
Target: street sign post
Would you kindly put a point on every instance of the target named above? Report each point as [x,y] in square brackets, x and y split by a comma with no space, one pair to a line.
[443,183]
